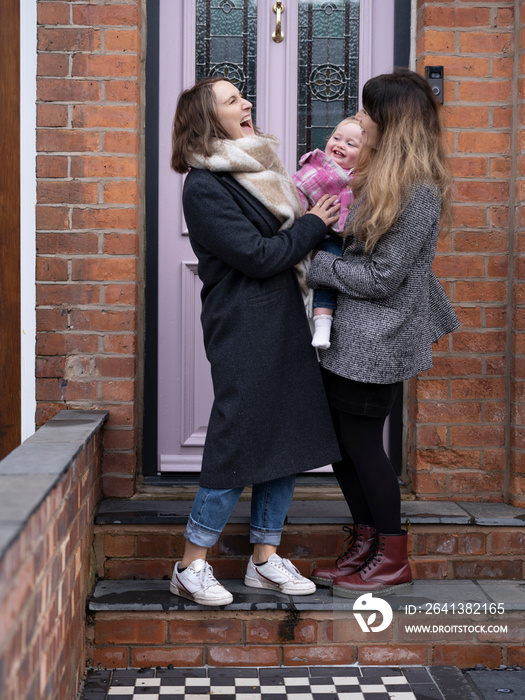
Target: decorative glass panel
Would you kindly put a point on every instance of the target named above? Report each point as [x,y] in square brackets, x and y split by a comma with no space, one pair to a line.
[328,69]
[227,43]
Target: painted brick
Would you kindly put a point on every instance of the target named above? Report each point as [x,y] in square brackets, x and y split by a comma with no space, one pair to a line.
[378,655]
[243,656]
[210,632]
[318,655]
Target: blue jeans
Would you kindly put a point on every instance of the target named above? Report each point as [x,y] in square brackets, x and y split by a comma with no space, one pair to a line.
[212,509]
[327,298]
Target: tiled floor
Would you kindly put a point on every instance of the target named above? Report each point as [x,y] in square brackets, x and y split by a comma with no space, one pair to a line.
[304,683]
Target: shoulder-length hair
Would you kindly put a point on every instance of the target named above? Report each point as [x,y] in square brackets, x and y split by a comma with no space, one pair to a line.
[409,151]
[195,124]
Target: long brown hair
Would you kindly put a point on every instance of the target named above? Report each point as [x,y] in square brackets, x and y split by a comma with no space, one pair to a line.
[195,123]
[409,151]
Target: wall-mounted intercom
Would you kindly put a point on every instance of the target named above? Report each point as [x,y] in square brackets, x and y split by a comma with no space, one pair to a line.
[434,75]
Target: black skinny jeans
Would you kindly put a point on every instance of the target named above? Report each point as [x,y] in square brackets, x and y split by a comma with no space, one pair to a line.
[365,474]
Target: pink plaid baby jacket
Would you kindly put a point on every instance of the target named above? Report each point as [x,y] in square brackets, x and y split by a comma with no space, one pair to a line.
[320,175]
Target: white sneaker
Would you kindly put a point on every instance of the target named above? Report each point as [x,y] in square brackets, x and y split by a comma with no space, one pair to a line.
[278,575]
[198,583]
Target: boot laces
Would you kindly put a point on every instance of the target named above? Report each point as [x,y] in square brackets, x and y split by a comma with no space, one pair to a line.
[375,556]
[353,541]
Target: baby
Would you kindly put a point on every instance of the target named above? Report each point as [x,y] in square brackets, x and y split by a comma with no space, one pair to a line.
[329,172]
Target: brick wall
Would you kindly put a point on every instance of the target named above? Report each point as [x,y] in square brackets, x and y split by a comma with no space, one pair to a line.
[88,220]
[517,462]
[47,569]
[460,411]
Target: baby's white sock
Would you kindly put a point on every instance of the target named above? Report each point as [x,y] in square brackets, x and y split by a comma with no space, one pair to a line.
[322,327]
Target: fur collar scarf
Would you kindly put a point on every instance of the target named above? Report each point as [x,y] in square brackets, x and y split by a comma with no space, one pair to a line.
[254,163]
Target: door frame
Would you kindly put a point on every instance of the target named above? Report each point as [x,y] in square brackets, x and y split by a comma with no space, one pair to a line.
[402,48]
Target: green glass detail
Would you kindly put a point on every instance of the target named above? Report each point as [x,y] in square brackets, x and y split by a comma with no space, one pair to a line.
[226,43]
[328,69]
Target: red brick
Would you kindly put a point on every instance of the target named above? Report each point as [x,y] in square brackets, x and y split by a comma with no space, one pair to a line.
[126,192]
[67,90]
[68,192]
[464,655]
[429,568]
[439,412]
[122,91]
[172,656]
[477,388]
[121,294]
[481,191]
[125,344]
[377,655]
[68,39]
[130,631]
[94,65]
[459,266]
[472,543]
[464,166]
[122,569]
[436,544]
[487,342]
[104,269]
[121,40]
[429,483]
[53,13]
[105,218]
[52,269]
[504,542]
[51,115]
[483,142]
[111,657]
[455,17]
[469,216]
[119,439]
[274,631]
[52,218]
[121,142]
[52,64]
[67,243]
[59,140]
[90,116]
[205,631]
[243,656]
[318,655]
[83,319]
[51,166]
[104,166]
[489,91]
[119,545]
[92,15]
[486,42]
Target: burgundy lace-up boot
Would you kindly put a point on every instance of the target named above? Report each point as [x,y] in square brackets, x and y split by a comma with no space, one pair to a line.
[361,544]
[387,570]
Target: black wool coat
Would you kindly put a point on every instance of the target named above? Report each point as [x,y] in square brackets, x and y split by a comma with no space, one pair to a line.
[270,416]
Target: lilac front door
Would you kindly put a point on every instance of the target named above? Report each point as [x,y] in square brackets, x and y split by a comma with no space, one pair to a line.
[301,87]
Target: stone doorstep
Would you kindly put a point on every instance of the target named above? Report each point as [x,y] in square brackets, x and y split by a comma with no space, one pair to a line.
[154,596]
[115,511]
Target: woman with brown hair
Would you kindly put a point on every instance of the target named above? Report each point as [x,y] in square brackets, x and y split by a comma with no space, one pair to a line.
[390,309]
[270,418]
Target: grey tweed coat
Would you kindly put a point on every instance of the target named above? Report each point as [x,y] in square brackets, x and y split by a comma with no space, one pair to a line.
[390,305]
[270,417]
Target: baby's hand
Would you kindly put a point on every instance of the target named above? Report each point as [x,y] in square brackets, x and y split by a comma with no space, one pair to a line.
[327,209]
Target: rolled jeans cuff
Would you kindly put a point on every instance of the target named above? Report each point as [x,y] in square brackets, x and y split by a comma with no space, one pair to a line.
[200,536]
[258,536]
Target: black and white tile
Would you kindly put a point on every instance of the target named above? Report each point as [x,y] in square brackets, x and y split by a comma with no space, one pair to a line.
[303,683]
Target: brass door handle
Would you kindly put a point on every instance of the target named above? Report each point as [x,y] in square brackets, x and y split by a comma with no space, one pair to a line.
[278,35]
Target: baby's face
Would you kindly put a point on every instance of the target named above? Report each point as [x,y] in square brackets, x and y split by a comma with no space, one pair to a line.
[344,145]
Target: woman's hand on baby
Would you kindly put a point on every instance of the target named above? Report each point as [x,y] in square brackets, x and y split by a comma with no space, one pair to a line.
[327,209]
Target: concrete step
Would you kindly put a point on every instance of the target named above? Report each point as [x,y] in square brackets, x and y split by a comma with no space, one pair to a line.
[140,624]
[142,539]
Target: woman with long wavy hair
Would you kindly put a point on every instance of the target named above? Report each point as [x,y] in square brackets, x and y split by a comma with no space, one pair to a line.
[390,309]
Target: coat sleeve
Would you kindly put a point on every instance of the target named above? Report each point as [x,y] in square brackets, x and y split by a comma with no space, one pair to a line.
[379,274]
[217,223]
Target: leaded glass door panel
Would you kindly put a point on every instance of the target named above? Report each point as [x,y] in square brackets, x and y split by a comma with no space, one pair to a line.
[301,87]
